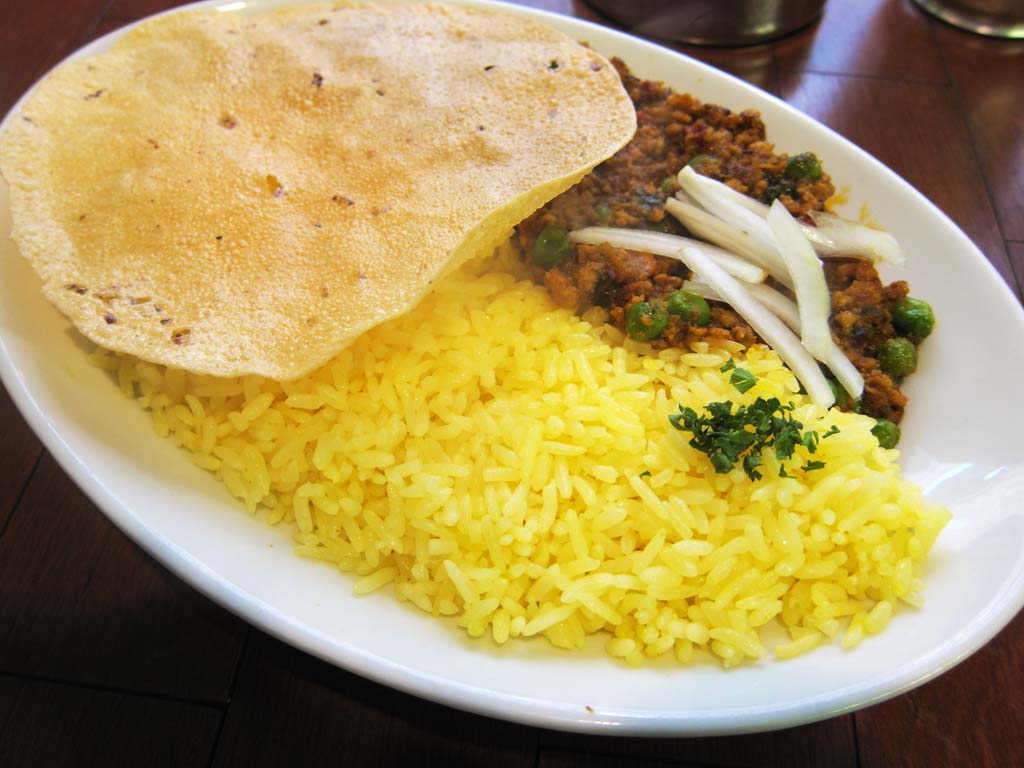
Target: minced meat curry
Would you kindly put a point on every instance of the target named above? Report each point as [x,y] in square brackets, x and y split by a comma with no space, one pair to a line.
[628,190]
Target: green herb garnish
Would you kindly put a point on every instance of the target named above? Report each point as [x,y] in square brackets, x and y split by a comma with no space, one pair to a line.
[727,437]
[810,440]
[742,379]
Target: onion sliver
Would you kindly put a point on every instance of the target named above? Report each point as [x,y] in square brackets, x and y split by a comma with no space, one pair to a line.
[831,236]
[712,196]
[752,205]
[786,310]
[703,224]
[846,373]
[836,236]
[779,305]
[670,246]
[812,296]
[700,288]
[768,326]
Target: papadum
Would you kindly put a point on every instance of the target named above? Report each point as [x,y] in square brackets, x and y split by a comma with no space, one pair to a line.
[232,194]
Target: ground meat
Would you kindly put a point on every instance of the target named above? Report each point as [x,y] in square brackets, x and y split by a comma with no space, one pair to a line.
[861,322]
[629,189]
[882,397]
[563,289]
[861,305]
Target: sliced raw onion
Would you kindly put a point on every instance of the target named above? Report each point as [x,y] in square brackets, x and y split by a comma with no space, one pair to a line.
[831,236]
[670,246]
[715,230]
[812,296]
[846,373]
[835,236]
[786,310]
[755,206]
[715,202]
[777,303]
[712,196]
[699,287]
[768,326]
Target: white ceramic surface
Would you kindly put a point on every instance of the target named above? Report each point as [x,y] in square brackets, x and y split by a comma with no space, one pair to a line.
[961,441]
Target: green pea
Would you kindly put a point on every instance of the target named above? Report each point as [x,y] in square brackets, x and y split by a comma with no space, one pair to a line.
[604,213]
[551,247]
[691,307]
[699,162]
[887,433]
[646,320]
[897,357]
[913,317]
[668,185]
[806,165]
[841,395]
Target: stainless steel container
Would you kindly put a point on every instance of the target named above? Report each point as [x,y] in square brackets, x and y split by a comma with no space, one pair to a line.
[711,22]
[995,18]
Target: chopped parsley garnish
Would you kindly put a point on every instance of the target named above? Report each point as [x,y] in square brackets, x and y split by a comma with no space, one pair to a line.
[727,436]
[741,378]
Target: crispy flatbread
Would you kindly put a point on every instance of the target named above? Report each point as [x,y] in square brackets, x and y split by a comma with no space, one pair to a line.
[231,194]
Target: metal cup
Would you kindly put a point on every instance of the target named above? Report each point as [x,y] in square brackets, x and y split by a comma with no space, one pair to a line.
[711,22]
[995,18]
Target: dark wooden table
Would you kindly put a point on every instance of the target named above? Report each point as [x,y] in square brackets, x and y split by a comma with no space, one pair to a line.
[106,658]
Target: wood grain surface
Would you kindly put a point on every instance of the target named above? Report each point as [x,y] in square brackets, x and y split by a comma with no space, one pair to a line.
[108,659]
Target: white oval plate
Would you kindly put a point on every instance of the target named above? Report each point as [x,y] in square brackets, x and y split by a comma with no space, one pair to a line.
[961,442]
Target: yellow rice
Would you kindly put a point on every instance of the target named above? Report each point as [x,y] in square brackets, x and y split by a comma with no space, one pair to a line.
[496,459]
